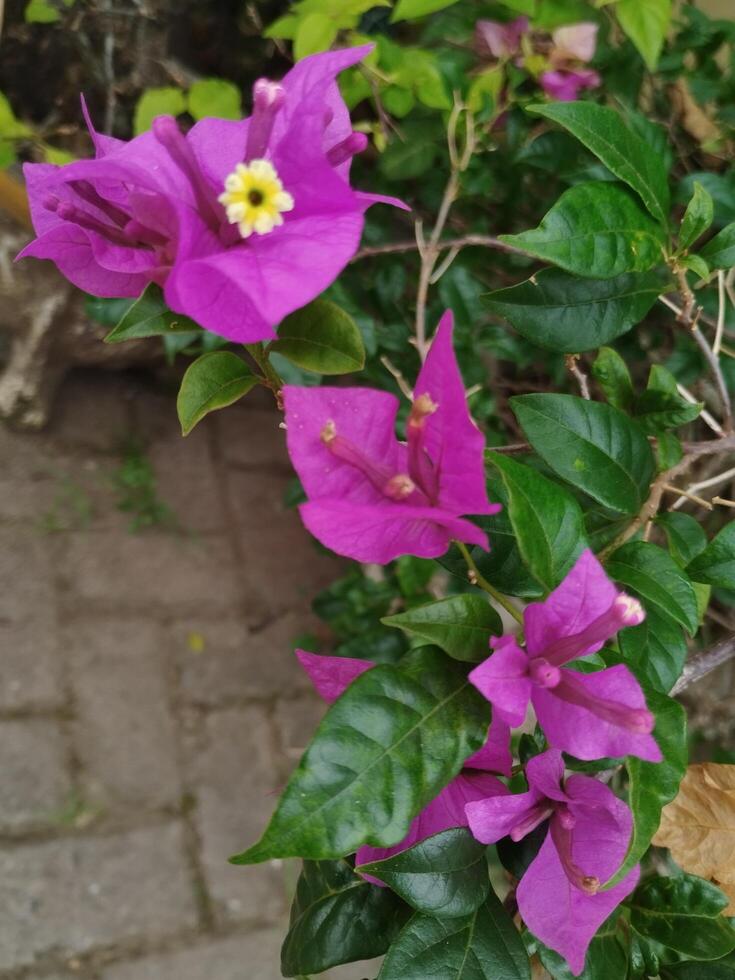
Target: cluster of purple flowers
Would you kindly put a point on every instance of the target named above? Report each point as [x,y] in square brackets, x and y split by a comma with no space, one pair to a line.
[242,222]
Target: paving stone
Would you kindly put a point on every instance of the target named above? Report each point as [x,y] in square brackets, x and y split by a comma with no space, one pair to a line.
[72,895]
[253,437]
[185,479]
[252,957]
[35,782]
[235,783]
[118,568]
[296,721]
[124,731]
[29,672]
[222,661]
[92,410]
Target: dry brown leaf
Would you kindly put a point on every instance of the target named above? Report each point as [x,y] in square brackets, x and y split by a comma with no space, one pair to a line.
[698,826]
[693,117]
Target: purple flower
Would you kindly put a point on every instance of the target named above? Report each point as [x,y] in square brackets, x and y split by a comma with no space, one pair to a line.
[565,85]
[500,40]
[592,715]
[373,498]
[240,222]
[574,42]
[332,675]
[588,833]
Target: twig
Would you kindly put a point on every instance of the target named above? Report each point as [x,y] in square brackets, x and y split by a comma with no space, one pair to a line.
[476,577]
[704,663]
[720,328]
[512,449]
[390,367]
[705,416]
[703,484]
[483,241]
[571,362]
[669,488]
[723,502]
[108,61]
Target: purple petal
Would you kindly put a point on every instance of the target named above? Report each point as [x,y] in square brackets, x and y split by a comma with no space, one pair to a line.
[584,595]
[331,676]
[503,680]
[378,533]
[453,441]
[495,755]
[575,41]
[545,773]
[501,40]
[492,819]
[561,915]
[445,811]
[565,86]
[102,144]
[582,733]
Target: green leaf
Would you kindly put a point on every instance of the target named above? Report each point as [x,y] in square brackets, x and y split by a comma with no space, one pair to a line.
[669,451]
[167,101]
[394,739]
[564,313]
[546,518]
[321,337]
[338,917]
[215,97]
[654,575]
[624,153]
[682,914]
[43,12]
[716,564]
[606,959]
[723,969]
[408,160]
[212,381]
[719,252]
[698,216]
[481,946]
[612,374]
[315,33]
[445,875]
[697,265]
[590,445]
[655,651]
[11,127]
[284,27]
[646,24]
[461,625]
[149,316]
[654,784]
[413,9]
[595,230]
[685,536]
[661,407]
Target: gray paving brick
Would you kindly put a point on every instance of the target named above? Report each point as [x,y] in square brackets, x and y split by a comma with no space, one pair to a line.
[124,731]
[35,784]
[235,783]
[91,409]
[185,478]
[72,895]
[252,957]
[252,437]
[296,721]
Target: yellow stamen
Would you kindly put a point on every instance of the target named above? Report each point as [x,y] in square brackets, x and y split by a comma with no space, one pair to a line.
[254,198]
[329,432]
[421,407]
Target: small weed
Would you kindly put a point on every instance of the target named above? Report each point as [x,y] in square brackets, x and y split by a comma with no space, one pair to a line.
[71,509]
[135,485]
[77,812]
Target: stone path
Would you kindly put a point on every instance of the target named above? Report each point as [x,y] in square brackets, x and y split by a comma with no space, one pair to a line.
[150,704]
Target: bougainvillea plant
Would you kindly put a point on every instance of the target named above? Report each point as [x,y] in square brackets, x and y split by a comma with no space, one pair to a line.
[536,571]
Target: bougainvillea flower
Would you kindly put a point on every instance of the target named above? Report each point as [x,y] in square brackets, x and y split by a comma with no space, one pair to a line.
[241,222]
[500,40]
[591,716]
[559,896]
[373,498]
[573,42]
[565,86]
[332,675]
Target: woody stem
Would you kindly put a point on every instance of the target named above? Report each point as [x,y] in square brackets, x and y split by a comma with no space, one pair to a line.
[476,577]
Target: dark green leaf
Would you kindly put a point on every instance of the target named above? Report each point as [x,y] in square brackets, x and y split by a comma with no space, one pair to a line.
[481,946]
[661,407]
[595,230]
[719,252]
[698,216]
[461,625]
[716,564]
[408,160]
[654,575]
[612,375]
[623,152]
[212,381]
[655,650]
[685,536]
[338,917]
[321,337]
[669,451]
[394,739]
[592,446]
[723,969]
[654,784]
[607,956]
[546,518]
[445,875]
[682,915]
[564,313]
[149,316]
[516,856]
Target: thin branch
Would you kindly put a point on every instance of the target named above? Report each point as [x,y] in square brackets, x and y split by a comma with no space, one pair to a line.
[483,241]
[703,484]
[720,328]
[476,578]
[511,450]
[571,362]
[704,663]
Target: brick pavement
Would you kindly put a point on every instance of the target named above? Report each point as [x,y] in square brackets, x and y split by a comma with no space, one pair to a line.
[150,705]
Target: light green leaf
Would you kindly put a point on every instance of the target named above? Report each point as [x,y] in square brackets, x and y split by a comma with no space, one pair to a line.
[646,24]
[321,337]
[283,28]
[413,9]
[149,316]
[629,157]
[167,101]
[659,581]
[10,127]
[716,564]
[460,624]
[612,374]
[719,252]
[698,216]
[697,265]
[445,875]
[590,445]
[315,33]
[396,737]
[215,97]
[595,230]
[212,381]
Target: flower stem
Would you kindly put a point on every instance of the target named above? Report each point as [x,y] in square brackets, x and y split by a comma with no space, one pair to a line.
[270,376]
[476,577]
